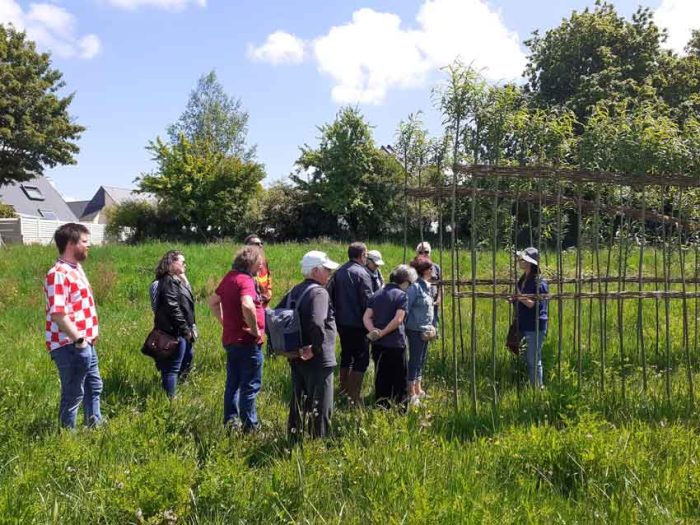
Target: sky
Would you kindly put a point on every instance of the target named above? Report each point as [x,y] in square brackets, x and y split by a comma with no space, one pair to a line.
[133,63]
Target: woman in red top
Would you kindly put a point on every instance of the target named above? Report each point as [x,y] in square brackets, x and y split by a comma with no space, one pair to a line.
[237,305]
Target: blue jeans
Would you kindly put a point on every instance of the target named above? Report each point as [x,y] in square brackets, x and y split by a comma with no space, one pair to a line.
[417,352]
[244,364]
[533,356]
[177,367]
[80,382]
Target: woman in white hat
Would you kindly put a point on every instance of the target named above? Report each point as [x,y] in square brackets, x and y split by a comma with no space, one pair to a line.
[532,312]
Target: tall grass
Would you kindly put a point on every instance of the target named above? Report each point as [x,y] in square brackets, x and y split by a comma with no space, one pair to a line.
[571,453]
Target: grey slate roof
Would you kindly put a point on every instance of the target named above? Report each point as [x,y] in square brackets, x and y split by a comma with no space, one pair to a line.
[50,201]
[77,207]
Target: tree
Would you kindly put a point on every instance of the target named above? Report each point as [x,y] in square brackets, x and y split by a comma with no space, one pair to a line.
[214,118]
[349,177]
[36,130]
[595,55]
[206,191]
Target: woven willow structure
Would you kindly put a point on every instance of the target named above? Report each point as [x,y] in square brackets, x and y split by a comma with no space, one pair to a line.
[619,252]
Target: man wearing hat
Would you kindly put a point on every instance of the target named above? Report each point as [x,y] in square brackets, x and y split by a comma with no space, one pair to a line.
[424,250]
[312,370]
[374,261]
[532,312]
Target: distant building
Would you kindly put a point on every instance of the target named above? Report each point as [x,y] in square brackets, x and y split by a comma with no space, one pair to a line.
[37,198]
[95,210]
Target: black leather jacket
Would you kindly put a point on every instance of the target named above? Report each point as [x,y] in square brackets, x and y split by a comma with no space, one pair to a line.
[174,307]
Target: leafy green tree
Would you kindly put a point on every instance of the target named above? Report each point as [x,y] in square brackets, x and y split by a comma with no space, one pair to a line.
[36,130]
[206,191]
[595,55]
[214,118]
[7,211]
[349,177]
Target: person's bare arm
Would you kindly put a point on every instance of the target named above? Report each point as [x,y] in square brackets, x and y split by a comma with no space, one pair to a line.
[67,326]
[249,316]
[215,307]
[393,324]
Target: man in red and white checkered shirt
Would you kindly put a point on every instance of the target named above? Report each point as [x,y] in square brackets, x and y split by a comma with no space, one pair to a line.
[72,327]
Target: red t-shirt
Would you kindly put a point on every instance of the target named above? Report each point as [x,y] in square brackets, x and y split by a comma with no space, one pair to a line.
[232,288]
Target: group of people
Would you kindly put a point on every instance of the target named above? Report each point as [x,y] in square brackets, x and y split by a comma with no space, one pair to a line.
[371,318]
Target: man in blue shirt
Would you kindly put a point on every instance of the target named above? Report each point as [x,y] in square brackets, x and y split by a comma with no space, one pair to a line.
[350,289]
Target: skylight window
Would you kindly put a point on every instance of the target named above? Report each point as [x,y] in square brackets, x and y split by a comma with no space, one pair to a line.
[33,192]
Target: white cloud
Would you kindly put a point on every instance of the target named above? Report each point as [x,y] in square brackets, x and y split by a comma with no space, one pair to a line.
[375,52]
[51,27]
[680,17]
[170,5]
[279,48]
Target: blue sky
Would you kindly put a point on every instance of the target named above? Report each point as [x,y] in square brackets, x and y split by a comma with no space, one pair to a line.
[133,63]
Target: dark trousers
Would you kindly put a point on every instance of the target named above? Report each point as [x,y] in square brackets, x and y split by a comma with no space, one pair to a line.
[354,348]
[389,375]
[311,406]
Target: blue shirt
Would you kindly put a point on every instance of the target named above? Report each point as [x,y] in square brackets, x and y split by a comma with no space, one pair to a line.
[420,306]
[526,316]
[350,288]
[384,305]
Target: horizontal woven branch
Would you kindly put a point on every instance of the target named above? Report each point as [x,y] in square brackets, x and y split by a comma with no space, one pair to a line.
[613,295]
[573,280]
[579,176]
[549,199]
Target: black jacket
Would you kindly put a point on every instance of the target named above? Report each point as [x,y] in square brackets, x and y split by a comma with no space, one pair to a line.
[174,307]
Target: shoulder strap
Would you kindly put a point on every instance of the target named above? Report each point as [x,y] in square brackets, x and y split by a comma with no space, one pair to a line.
[297,303]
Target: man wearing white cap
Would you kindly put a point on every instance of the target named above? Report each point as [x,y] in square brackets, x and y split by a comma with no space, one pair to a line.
[423,249]
[312,370]
[374,261]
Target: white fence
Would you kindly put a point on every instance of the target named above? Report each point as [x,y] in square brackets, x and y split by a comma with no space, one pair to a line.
[32,230]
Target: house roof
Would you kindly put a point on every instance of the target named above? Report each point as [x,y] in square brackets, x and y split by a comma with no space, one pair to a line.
[37,198]
[77,207]
[107,195]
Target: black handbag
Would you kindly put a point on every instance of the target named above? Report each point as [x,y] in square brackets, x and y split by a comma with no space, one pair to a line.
[514,337]
[160,345]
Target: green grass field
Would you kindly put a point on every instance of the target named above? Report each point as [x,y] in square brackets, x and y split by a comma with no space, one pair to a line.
[573,453]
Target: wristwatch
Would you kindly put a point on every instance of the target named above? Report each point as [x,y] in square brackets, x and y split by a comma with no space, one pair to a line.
[79,341]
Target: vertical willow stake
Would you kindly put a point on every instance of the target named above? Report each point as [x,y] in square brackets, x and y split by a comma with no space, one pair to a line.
[686,328]
[657,339]
[620,301]
[453,270]
[560,276]
[640,313]
[473,312]
[538,280]
[577,301]
[601,316]
[667,339]
[493,299]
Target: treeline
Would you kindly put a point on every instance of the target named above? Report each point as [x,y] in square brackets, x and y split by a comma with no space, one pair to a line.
[599,92]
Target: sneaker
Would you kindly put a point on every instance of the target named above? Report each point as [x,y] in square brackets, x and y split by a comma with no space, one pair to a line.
[422,394]
[415,400]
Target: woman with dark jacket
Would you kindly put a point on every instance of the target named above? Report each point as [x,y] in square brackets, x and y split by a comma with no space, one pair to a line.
[173,305]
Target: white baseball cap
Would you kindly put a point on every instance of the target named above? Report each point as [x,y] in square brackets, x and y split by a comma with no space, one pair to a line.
[423,246]
[376,257]
[315,258]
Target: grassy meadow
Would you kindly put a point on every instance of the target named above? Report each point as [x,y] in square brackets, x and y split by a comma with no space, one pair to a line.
[577,452]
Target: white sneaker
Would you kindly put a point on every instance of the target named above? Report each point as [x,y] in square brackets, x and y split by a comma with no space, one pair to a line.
[415,400]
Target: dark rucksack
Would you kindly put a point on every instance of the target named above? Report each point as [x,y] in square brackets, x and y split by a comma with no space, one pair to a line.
[284,325]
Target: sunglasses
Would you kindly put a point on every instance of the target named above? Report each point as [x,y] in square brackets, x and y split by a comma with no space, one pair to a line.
[424,252]
[256,243]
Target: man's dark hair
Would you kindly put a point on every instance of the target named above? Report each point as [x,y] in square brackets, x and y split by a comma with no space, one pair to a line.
[250,237]
[166,261]
[422,264]
[356,249]
[69,233]
[246,258]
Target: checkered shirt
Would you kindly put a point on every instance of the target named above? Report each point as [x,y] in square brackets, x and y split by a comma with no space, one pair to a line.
[68,291]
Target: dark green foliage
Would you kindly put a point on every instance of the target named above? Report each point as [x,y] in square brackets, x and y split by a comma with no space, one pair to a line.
[205,191]
[349,177]
[36,130]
